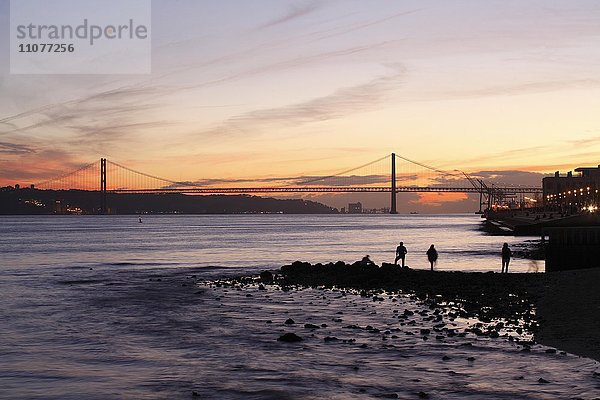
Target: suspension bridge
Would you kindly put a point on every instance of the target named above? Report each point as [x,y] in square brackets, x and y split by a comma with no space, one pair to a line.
[392,174]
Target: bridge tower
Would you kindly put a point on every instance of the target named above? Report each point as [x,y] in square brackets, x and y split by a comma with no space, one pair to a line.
[103,204]
[393,209]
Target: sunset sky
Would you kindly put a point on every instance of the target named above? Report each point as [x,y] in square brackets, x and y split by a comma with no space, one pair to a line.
[270,88]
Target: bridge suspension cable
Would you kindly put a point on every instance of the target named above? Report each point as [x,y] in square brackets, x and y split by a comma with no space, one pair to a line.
[126,177]
[457,173]
[82,178]
[343,177]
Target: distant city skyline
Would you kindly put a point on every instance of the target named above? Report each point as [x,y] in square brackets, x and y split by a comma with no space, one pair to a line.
[274,88]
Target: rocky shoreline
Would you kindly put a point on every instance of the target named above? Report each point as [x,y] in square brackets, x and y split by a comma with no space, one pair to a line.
[517,306]
[504,303]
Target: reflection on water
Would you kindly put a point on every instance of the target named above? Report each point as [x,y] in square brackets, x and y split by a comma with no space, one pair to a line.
[105,307]
[114,332]
[251,240]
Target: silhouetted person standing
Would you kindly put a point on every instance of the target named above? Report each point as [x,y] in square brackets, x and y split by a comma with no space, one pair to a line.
[506,254]
[400,254]
[432,255]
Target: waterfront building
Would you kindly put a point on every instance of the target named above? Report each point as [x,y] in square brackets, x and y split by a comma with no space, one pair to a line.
[355,208]
[574,191]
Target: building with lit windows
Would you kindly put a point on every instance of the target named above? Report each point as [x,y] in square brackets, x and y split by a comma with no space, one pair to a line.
[573,191]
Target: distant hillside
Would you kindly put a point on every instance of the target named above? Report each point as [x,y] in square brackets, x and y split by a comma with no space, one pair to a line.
[33,201]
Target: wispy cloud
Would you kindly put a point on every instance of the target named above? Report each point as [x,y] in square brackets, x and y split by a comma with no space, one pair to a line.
[439,199]
[315,58]
[294,12]
[37,166]
[15,148]
[345,101]
[358,26]
[500,156]
[295,181]
[505,90]
[586,142]
[496,177]
[101,118]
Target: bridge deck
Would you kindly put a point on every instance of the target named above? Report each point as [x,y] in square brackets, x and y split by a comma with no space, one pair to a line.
[400,189]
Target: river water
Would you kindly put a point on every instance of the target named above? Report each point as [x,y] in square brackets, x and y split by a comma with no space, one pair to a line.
[103,307]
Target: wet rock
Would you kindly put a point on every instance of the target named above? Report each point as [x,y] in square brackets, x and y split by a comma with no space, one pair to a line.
[423,395]
[542,380]
[195,394]
[446,358]
[471,359]
[261,287]
[289,338]
[330,339]
[551,351]
[266,277]
[311,326]
[289,321]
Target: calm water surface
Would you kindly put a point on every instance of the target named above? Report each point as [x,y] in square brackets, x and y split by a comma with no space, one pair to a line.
[106,308]
[249,240]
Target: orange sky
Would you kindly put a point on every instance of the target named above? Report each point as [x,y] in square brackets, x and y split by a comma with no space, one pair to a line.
[304,88]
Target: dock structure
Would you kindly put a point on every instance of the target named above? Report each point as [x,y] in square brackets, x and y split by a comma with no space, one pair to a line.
[570,248]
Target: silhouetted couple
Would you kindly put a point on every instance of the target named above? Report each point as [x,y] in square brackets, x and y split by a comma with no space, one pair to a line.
[432,255]
[506,255]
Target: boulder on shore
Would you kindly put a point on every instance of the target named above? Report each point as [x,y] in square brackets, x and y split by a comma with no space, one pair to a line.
[289,338]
